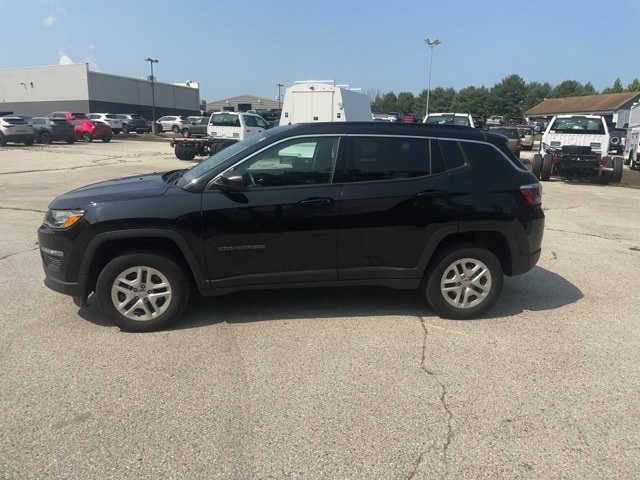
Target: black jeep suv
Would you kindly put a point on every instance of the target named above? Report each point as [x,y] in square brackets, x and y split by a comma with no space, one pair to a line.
[445,209]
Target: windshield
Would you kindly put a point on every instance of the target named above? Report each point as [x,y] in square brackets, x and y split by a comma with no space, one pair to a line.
[194,173]
[447,119]
[578,125]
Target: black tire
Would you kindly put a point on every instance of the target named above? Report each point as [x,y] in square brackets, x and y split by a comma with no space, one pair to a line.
[125,129]
[536,167]
[28,143]
[448,288]
[45,137]
[71,140]
[184,153]
[545,171]
[124,297]
[2,141]
[175,129]
[106,139]
[186,133]
[86,137]
[616,176]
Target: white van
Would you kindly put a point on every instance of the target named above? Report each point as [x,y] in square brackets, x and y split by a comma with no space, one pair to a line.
[235,125]
[322,101]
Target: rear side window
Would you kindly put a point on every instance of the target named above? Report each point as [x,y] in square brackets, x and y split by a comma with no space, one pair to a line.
[388,158]
[485,154]
[453,155]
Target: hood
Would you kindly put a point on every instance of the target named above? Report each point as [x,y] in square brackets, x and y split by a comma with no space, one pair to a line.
[140,186]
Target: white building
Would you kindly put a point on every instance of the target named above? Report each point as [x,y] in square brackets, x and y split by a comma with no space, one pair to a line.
[75,88]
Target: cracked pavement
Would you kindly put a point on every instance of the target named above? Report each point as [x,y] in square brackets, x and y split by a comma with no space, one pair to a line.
[355,383]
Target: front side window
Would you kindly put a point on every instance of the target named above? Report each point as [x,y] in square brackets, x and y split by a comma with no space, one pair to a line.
[388,158]
[301,161]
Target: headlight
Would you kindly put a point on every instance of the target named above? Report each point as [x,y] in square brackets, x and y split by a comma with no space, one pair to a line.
[63,218]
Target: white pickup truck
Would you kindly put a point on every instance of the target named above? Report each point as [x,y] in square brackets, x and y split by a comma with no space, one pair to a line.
[223,129]
[576,147]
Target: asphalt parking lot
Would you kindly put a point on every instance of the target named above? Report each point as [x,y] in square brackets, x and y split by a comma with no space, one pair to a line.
[328,383]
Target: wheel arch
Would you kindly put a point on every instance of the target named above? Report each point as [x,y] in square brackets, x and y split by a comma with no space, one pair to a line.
[493,240]
[106,246]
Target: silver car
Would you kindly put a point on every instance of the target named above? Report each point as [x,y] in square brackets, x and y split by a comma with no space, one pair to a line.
[112,119]
[527,137]
[172,123]
[15,129]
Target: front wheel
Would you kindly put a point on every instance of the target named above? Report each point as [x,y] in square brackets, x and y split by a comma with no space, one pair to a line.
[547,166]
[106,139]
[616,176]
[536,167]
[463,282]
[87,138]
[186,133]
[142,291]
[175,129]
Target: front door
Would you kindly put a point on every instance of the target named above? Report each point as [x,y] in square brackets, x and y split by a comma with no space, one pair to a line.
[282,228]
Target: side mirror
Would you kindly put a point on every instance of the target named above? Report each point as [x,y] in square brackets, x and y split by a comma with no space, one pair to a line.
[230,181]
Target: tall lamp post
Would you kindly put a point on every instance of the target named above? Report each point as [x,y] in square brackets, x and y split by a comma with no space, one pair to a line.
[153,95]
[430,43]
[279,85]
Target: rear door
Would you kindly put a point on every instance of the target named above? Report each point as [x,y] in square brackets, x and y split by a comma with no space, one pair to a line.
[395,198]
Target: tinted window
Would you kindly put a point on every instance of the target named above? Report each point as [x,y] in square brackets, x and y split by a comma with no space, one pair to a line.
[388,158]
[301,161]
[453,154]
[488,155]
[507,132]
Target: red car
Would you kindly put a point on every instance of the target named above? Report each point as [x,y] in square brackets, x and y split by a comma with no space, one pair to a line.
[88,130]
[411,118]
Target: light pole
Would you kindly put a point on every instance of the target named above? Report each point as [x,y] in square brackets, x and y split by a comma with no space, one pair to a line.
[430,43]
[153,95]
[279,85]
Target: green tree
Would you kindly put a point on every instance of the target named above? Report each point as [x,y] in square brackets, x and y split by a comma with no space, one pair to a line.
[508,97]
[406,103]
[634,86]
[472,100]
[440,100]
[573,88]
[536,93]
[616,88]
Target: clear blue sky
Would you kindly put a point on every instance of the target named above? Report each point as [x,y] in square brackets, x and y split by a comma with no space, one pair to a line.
[235,47]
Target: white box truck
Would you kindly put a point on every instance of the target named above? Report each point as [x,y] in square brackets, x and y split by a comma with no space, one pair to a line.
[323,101]
[632,148]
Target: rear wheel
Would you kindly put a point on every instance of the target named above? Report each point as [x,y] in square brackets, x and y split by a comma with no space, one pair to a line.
[86,137]
[186,133]
[142,291]
[184,153]
[106,139]
[463,282]
[125,129]
[175,129]
[2,141]
[45,137]
[29,142]
[547,165]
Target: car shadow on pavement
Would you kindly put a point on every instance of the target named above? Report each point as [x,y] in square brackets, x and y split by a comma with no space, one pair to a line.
[537,290]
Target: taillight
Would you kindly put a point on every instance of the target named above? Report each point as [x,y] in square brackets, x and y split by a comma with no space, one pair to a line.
[519,144]
[554,159]
[532,193]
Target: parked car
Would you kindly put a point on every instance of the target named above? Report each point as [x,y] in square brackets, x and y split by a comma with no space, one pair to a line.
[411,118]
[132,122]
[111,119]
[512,134]
[442,209]
[15,130]
[67,115]
[195,127]
[171,123]
[48,130]
[90,130]
[527,137]
[463,119]
[495,120]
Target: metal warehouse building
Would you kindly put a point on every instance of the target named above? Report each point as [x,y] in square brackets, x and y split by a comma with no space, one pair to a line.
[75,88]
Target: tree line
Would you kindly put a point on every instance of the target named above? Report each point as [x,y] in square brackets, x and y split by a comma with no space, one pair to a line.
[509,98]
